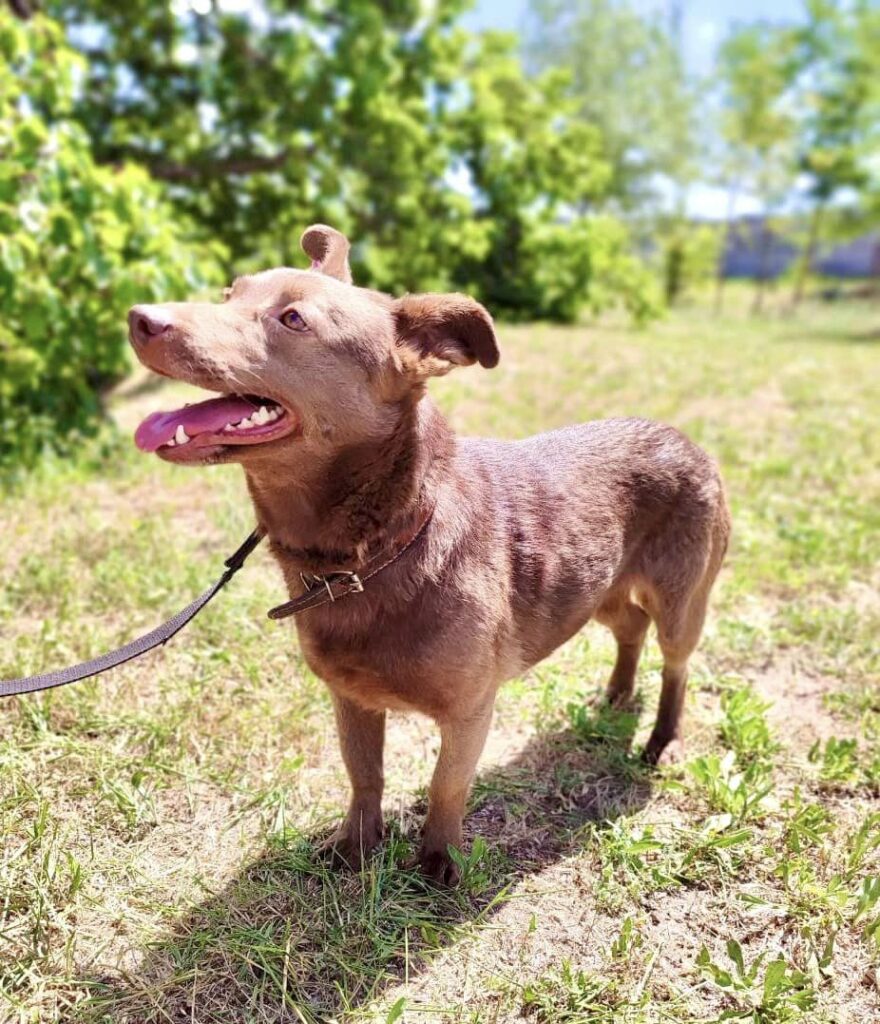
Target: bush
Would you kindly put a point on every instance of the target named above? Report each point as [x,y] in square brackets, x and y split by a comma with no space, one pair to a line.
[79,244]
[563,268]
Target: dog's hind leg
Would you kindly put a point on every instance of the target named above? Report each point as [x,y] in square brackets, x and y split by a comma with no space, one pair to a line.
[362,741]
[677,639]
[629,623]
[461,743]
[679,612]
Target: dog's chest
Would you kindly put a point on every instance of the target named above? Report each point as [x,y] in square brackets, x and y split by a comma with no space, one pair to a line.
[367,673]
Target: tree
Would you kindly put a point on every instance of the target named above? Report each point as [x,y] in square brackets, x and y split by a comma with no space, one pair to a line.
[266,116]
[79,244]
[629,82]
[756,65]
[531,174]
[375,116]
[838,86]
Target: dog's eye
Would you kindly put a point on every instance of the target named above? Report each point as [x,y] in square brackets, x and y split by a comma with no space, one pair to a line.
[292,320]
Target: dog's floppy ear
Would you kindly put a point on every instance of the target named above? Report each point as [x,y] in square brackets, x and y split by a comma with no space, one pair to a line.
[327,248]
[445,331]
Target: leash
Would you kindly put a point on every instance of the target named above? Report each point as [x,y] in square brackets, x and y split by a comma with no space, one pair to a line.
[319,590]
[161,635]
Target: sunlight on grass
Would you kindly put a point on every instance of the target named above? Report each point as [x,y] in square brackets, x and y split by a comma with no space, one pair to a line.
[159,823]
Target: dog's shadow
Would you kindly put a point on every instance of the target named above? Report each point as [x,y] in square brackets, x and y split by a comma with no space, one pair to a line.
[291,940]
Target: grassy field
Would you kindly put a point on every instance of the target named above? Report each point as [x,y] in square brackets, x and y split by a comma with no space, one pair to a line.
[158,823]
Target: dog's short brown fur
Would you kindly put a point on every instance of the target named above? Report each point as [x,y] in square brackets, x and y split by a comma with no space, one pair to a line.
[620,520]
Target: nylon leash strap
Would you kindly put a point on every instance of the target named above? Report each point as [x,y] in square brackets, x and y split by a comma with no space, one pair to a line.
[156,638]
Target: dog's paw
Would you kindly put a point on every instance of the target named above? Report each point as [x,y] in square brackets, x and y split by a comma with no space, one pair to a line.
[611,700]
[437,866]
[663,754]
[620,700]
[349,847]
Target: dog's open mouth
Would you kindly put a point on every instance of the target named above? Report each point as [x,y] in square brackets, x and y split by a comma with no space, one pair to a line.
[231,420]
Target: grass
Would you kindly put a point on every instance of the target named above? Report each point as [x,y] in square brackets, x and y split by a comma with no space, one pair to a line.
[159,822]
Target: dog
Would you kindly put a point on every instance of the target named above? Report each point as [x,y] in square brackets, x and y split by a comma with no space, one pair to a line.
[478,557]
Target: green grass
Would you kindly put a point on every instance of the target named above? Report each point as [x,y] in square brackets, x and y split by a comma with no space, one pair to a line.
[159,822]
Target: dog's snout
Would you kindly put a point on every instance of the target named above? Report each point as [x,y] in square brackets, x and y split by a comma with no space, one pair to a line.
[148,322]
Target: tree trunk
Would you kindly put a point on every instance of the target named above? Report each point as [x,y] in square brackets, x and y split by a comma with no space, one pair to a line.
[732,195]
[23,9]
[809,254]
[761,277]
[874,273]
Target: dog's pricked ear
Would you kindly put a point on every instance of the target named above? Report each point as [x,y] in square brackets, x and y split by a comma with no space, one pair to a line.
[327,248]
[446,331]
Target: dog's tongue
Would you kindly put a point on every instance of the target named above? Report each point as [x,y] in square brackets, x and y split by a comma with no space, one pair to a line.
[208,417]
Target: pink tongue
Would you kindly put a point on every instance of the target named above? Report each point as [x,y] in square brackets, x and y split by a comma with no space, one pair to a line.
[202,418]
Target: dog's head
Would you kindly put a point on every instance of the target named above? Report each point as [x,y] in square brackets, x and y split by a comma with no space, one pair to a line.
[300,357]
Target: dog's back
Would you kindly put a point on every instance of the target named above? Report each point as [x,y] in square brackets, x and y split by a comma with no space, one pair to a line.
[578,516]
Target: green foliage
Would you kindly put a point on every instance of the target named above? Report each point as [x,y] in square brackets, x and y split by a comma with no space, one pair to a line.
[627,81]
[804,100]
[737,794]
[836,83]
[842,766]
[572,996]
[764,995]
[445,164]
[807,825]
[838,67]
[866,905]
[755,66]
[532,172]
[744,728]
[266,122]
[79,243]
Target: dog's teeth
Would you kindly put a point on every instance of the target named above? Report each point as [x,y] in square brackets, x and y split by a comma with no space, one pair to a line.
[181,436]
[229,426]
[245,424]
[262,416]
[272,415]
[171,443]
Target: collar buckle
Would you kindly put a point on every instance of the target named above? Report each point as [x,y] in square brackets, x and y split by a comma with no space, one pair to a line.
[328,580]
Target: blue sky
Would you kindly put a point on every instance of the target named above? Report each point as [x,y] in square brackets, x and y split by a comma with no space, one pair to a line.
[704,25]
[704,21]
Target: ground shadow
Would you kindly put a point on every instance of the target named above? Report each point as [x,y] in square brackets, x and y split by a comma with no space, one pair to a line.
[829,334]
[290,940]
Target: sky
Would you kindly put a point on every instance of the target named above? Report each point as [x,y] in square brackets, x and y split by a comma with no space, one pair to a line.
[704,25]
[704,22]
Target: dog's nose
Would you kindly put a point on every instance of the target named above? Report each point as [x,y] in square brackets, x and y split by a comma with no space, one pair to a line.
[148,322]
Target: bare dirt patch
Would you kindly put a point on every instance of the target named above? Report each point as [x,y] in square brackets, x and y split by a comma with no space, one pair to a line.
[798,711]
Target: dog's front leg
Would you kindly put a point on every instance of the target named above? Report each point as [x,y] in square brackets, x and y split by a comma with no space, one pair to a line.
[362,740]
[461,742]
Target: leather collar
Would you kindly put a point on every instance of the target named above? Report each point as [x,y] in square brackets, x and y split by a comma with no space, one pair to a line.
[324,588]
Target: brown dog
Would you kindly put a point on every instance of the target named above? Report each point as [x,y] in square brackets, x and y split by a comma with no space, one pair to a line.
[499,551]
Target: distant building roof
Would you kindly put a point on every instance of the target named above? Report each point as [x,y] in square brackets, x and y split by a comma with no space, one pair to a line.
[858,258]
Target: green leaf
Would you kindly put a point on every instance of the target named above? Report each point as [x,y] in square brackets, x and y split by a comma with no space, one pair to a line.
[396,1011]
